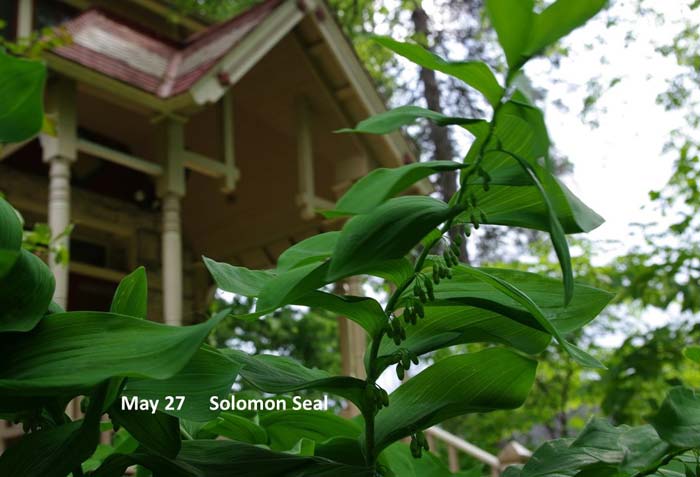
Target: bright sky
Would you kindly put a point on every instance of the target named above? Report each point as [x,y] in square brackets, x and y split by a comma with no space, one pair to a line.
[619,162]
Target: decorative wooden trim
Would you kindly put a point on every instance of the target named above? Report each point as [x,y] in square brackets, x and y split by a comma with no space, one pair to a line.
[117,157]
[248,52]
[100,273]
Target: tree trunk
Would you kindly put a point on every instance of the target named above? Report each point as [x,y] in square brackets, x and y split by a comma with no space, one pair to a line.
[439,136]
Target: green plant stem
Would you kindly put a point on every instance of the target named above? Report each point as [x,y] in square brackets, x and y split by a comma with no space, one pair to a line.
[372,371]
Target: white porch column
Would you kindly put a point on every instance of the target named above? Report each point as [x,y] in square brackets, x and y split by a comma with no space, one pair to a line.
[59,151]
[59,220]
[172,259]
[171,189]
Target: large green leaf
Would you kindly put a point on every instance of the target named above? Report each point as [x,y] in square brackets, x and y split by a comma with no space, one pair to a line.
[464,286]
[492,379]
[10,236]
[221,458]
[25,293]
[226,458]
[285,428]
[397,457]
[209,373]
[313,249]
[556,231]
[474,73]
[534,316]
[237,428]
[390,231]
[601,450]
[523,34]
[279,375]
[291,285]
[58,451]
[22,93]
[678,419]
[68,351]
[366,312]
[558,20]
[238,280]
[514,200]
[382,184]
[159,432]
[389,121]
[512,20]
[446,325]
[115,465]
[131,297]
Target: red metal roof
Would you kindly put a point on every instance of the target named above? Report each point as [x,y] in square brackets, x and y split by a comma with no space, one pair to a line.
[141,59]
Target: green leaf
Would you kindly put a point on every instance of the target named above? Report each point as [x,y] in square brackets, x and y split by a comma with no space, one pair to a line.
[238,280]
[600,450]
[366,312]
[22,90]
[221,458]
[290,286]
[398,458]
[392,120]
[678,419]
[311,250]
[479,382]
[558,20]
[512,20]
[131,297]
[508,290]
[209,373]
[159,432]
[237,428]
[382,184]
[279,375]
[468,310]
[285,428]
[115,465]
[58,451]
[474,73]
[513,200]
[10,237]
[77,350]
[224,458]
[388,232]
[692,353]
[556,231]
[25,293]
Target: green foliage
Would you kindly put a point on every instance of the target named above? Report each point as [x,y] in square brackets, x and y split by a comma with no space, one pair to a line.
[21,87]
[604,450]
[437,302]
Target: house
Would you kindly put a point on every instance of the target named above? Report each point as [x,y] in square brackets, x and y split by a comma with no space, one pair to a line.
[175,138]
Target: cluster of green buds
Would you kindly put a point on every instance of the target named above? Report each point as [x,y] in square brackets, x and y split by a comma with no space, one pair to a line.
[395,331]
[485,176]
[404,358]
[476,215]
[376,397]
[418,443]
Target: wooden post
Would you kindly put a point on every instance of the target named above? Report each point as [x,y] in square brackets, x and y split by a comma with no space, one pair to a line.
[353,340]
[59,152]
[232,174]
[305,160]
[453,458]
[171,190]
